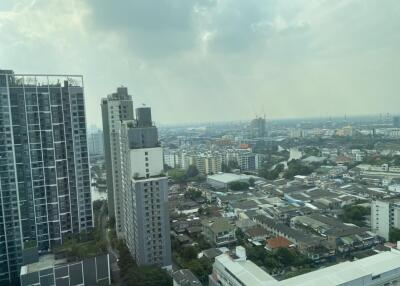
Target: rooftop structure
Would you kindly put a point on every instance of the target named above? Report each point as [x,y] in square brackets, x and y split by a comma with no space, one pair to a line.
[222,180]
[379,269]
[185,277]
[49,270]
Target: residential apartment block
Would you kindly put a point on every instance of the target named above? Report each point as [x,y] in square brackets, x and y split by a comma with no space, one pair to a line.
[44,166]
[385,214]
[145,195]
[115,108]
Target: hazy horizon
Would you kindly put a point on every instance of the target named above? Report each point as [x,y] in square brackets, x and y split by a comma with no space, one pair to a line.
[215,61]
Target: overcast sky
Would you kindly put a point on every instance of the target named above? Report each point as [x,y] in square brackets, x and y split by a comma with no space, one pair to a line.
[215,60]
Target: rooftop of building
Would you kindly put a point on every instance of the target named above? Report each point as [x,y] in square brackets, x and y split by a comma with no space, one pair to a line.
[185,277]
[218,224]
[45,262]
[230,177]
[279,242]
[348,271]
[246,271]
[256,231]
[211,253]
[367,269]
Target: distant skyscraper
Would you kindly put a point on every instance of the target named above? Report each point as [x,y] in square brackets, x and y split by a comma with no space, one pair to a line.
[258,127]
[116,108]
[95,143]
[396,121]
[146,218]
[44,168]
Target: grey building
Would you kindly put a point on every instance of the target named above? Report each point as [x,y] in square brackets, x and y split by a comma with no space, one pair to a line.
[44,167]
[115,108]
[95,144]
[396,121]
[49,271]
[146,219]
[258,127]
[219,231]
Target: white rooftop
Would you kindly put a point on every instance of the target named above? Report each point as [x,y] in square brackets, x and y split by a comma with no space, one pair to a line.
[230,177]
[246,271]
[348,271]
[339,274]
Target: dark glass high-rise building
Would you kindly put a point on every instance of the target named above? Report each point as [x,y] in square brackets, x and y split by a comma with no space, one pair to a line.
[44,166]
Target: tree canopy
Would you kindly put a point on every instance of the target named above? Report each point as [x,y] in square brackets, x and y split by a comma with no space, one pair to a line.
[355,214]
[238,186]
[394,235]
[296,167]
[192,171]
[132,274]
[271,174]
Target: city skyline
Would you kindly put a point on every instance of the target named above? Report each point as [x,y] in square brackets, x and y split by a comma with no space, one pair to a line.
[278,58]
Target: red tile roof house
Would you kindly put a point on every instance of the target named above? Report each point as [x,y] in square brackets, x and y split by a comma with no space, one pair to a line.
[275,243]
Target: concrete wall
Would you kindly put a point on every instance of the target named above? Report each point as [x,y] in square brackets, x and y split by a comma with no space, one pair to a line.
[153,163]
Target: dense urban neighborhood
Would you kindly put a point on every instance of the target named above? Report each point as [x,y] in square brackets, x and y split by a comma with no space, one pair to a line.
[288,197]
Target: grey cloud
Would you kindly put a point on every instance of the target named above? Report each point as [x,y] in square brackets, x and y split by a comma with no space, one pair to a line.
[218,59]
[152,28]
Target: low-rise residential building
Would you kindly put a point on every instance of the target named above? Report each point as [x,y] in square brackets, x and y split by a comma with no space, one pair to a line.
[278,242]
[314,247]
[219,231]
[236,270]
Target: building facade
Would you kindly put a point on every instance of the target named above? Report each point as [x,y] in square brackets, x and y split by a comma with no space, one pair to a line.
[44,165]
[385,214]
[146,219]
[219,231]
[378,270]
[95,143]
[117,107]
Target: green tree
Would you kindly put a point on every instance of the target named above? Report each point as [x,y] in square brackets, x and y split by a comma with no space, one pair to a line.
[296,167]
[271,174]
[238,186]
[271,263]
[192,171]
[189,253]
[200,267]
[192,194]
[355,214]
[285,256]
[233,164]
[394,235]
[240,235]
[204,210]
[177,175]
[251,182]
